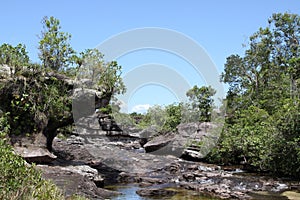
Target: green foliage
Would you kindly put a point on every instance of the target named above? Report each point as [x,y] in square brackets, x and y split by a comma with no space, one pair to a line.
[163,119]
[14,57]
[201,102]
[262,126]
[55,51]
[32,100]
[173,117]
[166,118]
[249,140]
[155,117]
[104,76]
[18,180]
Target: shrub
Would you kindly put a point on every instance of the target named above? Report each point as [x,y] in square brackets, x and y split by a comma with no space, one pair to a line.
[19,180]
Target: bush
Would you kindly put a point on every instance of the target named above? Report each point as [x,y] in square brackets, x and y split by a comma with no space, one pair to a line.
[19,180]
[249,140]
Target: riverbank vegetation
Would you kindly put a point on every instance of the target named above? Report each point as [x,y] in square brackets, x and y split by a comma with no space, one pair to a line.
[262,122]
[262,105]
[262,128]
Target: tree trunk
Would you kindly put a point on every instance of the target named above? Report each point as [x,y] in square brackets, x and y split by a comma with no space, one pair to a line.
[50,131]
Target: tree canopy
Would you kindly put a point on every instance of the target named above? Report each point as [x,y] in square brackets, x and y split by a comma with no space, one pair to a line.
[56,52]
[262,127]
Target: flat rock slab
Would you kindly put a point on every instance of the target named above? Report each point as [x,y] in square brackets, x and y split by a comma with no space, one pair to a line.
[35,154]
[72,181]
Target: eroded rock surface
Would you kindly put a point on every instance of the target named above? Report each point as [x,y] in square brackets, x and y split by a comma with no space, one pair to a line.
[90,160]
[81,180]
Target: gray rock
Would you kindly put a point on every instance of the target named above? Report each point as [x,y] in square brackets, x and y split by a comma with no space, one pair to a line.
[157,143]
[35,154]
[76,180]
[155,191]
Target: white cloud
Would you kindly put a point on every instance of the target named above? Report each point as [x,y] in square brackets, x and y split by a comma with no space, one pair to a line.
[141,108]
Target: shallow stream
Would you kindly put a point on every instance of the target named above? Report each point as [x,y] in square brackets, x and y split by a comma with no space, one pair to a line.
[129,193]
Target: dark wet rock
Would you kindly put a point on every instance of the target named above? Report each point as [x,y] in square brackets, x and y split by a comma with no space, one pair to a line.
[126,178]
[155,192]
[188,176]
[173,168]
[149,181]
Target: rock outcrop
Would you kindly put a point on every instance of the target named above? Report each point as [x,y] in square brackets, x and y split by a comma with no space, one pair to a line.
[33,154]
[32,148]
[81,180]
[192,141]
[91,159]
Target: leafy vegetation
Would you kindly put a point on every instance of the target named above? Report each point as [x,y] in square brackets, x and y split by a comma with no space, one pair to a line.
[37,99]
[13,57]
[262,128]
[18,180]
[201,103]
[166,119]
[56,52]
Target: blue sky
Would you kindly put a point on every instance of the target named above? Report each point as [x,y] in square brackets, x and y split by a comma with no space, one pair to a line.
[219,27]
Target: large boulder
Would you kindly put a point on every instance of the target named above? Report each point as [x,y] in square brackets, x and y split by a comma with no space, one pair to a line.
[199,139]
[192,141]
[157,143]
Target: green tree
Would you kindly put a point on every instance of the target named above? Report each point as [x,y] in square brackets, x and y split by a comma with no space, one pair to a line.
[103,76]
[55,51]
[272,58]
[201,101]
[14,57]
[173,117]
[286,28]
[262,125]
[249,140]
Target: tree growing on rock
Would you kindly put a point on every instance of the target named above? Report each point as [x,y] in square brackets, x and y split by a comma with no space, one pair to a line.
[38,100]
[56,52]
[13,57]
[96,74]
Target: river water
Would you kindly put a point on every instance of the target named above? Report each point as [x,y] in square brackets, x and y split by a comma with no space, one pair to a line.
[129,193]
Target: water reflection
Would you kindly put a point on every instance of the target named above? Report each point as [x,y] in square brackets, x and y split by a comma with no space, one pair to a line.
[129,193]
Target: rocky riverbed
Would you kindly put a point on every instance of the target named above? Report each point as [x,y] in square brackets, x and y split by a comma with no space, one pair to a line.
[89,161]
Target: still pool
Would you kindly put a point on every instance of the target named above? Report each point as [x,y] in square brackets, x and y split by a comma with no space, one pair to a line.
[129,193]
